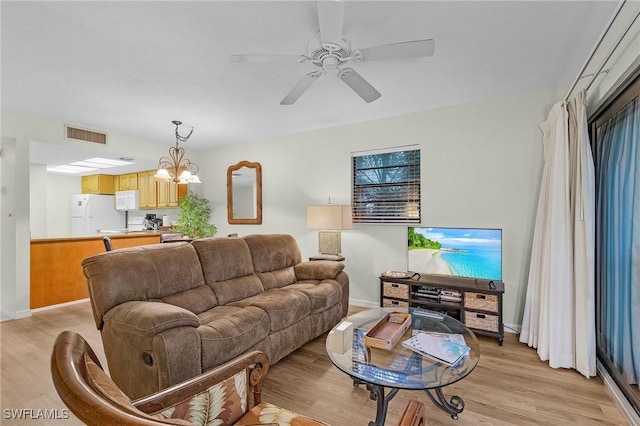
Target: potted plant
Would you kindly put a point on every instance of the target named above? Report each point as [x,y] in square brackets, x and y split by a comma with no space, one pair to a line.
[193,220]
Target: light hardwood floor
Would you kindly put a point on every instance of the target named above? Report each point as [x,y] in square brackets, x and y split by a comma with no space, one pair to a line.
[510,385]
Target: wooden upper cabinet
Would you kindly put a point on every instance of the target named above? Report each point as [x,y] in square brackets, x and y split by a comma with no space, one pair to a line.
[148,189]
[98,184]
[127,182]
[170,193]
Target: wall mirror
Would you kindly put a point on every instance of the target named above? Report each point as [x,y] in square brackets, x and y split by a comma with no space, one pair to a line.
[244,193]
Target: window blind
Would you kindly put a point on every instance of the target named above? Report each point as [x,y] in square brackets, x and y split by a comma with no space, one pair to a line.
[386,186]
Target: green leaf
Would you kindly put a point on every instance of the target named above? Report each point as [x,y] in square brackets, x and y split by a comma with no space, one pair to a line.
[193,220]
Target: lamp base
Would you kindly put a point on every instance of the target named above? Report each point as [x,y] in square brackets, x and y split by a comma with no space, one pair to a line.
[329,242]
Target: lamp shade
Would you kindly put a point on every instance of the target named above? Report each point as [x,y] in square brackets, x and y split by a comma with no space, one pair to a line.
[330,216]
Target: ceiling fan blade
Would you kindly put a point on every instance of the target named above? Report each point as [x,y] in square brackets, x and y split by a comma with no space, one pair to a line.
[330,20]
[300,88]
[265,58]
[359,85]
[407,49]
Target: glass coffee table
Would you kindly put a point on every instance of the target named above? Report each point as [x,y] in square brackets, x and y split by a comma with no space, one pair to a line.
[399,367]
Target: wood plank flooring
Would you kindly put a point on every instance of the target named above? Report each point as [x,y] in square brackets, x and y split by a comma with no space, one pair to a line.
[510,385]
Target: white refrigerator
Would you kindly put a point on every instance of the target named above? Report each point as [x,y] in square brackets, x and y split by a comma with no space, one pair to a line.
[91,213]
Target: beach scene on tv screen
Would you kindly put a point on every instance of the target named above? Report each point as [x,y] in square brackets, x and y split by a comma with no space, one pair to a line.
[461,252]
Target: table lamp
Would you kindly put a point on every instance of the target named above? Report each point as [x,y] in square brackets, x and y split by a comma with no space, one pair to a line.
[330,219]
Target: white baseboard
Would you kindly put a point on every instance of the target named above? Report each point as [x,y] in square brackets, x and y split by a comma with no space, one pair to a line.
[24,313]
[620,400]
[6,315]
[363,303]
[512,328]
[59,305]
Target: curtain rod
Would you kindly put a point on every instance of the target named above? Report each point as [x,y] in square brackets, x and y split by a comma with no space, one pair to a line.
[633,21]
[595,48]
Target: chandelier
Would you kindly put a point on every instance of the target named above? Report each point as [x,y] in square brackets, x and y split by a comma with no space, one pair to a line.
[176,167]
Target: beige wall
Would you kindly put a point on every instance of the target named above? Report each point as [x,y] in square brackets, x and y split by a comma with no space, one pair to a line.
[481,167]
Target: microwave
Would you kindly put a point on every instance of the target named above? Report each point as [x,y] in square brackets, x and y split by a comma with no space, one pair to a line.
[128,200]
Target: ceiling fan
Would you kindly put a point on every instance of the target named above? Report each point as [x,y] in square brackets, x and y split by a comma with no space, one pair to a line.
[330,50]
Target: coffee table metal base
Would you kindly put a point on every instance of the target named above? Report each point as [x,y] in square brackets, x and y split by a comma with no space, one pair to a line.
[453,407]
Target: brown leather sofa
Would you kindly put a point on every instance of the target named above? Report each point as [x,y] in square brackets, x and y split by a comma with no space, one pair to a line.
[170,312]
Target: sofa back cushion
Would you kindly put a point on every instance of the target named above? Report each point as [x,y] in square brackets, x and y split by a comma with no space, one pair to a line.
[274,257]
[153,272]
[228,269]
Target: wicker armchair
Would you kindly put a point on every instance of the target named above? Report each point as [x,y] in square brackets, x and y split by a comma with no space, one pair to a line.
[229,393]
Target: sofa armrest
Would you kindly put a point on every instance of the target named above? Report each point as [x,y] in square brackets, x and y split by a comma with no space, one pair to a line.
[150,318]
[318,270]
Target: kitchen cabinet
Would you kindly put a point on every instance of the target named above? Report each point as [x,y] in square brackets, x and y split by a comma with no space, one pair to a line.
[56,276]
[170,193]
[127,182]
[148,190]
[98,184]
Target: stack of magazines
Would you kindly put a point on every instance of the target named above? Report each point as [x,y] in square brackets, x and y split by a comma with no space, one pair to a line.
[443,347]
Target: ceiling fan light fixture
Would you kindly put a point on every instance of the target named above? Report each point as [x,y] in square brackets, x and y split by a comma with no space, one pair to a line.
[330,50]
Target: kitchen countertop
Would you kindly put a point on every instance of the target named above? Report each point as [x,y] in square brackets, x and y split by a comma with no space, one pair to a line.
[111,235]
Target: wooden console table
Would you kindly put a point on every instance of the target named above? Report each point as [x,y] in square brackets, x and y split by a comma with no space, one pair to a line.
[479,306]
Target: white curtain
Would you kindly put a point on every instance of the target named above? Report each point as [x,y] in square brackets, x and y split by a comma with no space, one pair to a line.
[559,309]
[582,189]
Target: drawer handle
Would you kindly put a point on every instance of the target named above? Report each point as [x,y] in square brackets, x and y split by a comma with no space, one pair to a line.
[394,302]
[394,285]
[481,296]
[482,316]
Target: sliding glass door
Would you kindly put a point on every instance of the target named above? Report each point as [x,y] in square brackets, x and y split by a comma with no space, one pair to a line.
[616,136]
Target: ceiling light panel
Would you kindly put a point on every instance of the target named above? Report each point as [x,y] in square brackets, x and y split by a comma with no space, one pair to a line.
[67,168]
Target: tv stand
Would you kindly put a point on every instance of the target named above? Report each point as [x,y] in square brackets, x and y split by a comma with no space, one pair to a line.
[477,303]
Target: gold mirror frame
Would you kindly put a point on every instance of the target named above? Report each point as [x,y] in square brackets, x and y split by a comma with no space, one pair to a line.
[258,194]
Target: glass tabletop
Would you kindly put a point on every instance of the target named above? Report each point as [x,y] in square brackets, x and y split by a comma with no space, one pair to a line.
[399,367]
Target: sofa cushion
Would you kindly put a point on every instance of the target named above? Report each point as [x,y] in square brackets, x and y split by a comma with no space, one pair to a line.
[148,272]
[227,331]
[284,307]
[274,258]
[196,300]
[228,291]
[228,269]
[322,294]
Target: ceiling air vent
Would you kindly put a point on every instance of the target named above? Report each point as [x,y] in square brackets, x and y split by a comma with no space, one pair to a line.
[85,135]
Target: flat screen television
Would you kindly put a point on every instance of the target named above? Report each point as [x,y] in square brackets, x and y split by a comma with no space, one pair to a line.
[460,252]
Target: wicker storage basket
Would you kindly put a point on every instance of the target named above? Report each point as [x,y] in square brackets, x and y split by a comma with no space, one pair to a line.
[397,290]
[484,302]
[481,321]
[390,302]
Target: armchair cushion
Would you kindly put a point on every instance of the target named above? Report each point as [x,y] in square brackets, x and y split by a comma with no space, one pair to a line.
[222,403]
[269,414]
[103,385]
[318,270]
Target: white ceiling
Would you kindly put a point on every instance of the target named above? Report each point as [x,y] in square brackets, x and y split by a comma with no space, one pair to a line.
[132,67]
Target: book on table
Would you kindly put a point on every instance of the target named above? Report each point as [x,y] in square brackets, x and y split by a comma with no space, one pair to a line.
[444,347]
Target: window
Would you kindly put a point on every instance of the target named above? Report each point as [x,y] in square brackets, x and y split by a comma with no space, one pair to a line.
[386,186]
